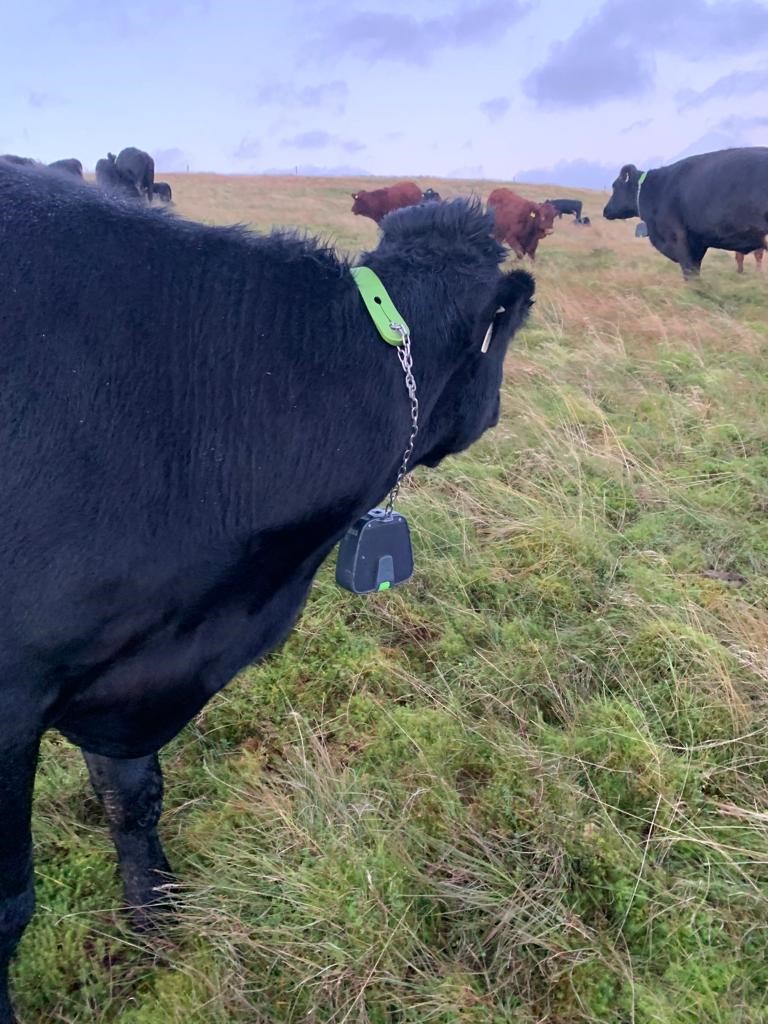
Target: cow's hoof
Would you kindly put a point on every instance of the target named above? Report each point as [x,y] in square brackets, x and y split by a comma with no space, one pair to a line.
[153,908]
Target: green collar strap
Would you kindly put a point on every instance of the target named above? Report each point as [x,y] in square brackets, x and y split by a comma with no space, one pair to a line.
[640,181]
[378,303]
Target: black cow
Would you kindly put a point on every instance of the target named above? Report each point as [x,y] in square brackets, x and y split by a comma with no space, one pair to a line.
[175,473]
[137,167]
[567,206]
[68,166]
[111,182]
[163,191]
[430,196]
[19,161]
[714,201]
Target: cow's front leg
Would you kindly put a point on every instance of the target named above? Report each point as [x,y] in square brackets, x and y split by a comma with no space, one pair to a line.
[18,760]
[131,792]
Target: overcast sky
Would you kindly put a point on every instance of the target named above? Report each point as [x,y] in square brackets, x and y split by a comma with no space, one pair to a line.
[548,90]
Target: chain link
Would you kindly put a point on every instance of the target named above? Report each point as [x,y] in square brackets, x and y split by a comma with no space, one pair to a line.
[406,361]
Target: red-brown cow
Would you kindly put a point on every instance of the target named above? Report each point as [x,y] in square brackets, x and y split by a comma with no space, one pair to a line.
[381,201]
[520,223]
[758,254]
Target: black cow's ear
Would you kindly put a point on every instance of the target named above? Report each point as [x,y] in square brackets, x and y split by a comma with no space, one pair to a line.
[627,171]
[505,311]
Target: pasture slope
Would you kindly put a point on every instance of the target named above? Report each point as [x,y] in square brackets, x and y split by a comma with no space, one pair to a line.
[530,788]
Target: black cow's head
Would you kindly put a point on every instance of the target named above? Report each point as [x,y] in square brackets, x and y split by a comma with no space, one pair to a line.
[623,202]
[430,196]
[463,311]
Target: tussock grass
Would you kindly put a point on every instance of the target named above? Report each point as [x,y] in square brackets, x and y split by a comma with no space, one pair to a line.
[533,785]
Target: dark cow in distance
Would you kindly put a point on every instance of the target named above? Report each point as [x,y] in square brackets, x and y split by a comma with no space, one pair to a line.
[377,203]
[138,167]
[166,504]
[70,166]
[430,196]
[562,206]
[758,254]
[111,182]
[162,190]
[641,230]
[19,161]
[520,223]
[713,201]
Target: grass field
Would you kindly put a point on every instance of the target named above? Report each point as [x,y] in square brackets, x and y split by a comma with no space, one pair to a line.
[532,786]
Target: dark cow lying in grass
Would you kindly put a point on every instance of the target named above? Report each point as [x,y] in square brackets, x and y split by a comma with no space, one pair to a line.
[713,201]
[193,417]
[162,191]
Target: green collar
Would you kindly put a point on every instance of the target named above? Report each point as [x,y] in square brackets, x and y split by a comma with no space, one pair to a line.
[378,303]
[640,181]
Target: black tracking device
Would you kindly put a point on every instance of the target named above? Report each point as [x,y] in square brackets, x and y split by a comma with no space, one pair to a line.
[375,553]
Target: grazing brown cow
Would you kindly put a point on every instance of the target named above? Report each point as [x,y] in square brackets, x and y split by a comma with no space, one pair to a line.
[758,254]
[381,201]
[520,223]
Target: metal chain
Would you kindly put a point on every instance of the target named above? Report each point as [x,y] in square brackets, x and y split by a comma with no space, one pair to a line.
[406,361]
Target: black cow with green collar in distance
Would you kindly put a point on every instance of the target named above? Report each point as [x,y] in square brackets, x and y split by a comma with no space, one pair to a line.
[192,417]
[713,201]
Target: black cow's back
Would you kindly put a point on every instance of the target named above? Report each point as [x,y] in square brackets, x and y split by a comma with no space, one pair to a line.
[720,197]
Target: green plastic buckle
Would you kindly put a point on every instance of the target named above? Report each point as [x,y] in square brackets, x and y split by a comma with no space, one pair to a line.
[379,305]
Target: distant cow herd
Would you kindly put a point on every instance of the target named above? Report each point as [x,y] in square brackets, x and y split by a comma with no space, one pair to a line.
[713,201]
[519,223]
[129,175]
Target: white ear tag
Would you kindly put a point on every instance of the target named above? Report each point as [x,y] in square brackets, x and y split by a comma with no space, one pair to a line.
[487,339]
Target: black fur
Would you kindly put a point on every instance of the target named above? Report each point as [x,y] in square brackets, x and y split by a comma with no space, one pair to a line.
[191,418]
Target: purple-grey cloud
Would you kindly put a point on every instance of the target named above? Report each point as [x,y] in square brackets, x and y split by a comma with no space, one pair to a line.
[636,126]
[738,83]
[325,94]
[321,140]
[571,174]
[248,149]
[730,132]
[611,55]
[404,38]
[495,108]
